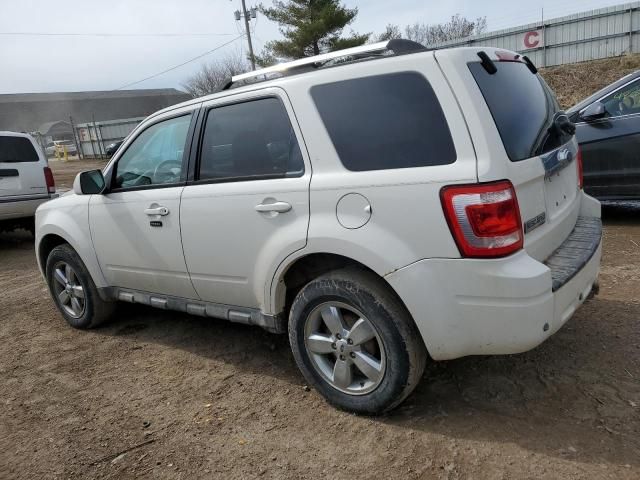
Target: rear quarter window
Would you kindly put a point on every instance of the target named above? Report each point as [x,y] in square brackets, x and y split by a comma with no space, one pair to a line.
[385,121]
[17,150]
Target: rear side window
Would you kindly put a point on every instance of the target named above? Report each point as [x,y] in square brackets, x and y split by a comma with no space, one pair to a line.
[522,106]
[385,121]
[250,140]
[17,150]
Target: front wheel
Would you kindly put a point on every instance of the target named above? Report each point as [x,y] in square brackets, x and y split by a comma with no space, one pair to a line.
[73,290]
[355,342]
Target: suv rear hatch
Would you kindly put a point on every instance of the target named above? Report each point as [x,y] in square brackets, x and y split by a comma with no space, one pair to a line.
[520,135]
[20,174]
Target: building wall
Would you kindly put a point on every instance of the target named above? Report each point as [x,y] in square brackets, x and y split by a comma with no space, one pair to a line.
[28,115]
[589,35]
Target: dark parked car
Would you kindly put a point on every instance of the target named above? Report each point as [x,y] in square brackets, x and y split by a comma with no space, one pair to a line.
[112,148]
[608,130]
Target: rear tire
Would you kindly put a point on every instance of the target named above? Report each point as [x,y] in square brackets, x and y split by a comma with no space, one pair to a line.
[73,290]
[369,359]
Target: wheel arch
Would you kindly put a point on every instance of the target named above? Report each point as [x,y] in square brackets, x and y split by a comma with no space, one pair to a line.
[50,235]
[298,271]
[47,243]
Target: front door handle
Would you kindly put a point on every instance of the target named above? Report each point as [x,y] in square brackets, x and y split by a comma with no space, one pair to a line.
[157,211]
[277,207]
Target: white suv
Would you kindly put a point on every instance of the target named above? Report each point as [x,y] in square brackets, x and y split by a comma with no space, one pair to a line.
[383,204]
[26,180]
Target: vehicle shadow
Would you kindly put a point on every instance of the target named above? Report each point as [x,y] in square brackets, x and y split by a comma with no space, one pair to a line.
[574,397]
[571,398]
[246,347]
[621,212]
[16,239]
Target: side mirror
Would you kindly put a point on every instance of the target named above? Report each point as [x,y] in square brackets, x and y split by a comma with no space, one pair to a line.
[593,112]
[89,183]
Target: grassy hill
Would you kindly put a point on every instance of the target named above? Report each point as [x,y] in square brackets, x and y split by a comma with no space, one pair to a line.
[576,81]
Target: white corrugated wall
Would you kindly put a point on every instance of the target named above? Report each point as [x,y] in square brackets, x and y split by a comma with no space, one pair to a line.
[606,32]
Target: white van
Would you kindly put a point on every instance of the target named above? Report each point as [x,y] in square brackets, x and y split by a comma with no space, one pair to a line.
[26,180]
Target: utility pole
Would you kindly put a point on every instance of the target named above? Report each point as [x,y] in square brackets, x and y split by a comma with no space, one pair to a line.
[544,41]
[247,14]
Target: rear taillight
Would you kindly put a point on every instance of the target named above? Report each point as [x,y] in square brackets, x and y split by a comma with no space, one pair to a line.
[48,177]
[484,218]
[579,167]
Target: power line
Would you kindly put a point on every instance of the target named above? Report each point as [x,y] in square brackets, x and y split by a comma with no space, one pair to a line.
[93,34]
[180,65]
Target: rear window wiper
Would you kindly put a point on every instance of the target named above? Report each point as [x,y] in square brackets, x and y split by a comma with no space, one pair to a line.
[559,126]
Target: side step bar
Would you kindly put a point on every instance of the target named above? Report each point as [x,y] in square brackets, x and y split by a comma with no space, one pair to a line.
[248,316]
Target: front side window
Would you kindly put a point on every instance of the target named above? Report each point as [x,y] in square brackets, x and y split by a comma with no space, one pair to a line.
[385,121]
[250,140]
[623,102]
[155,156]
[17,150]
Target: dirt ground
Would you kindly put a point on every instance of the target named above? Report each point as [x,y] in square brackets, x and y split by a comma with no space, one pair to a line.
[155,394]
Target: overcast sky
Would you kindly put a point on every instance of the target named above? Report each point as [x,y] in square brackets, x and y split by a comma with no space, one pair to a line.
[188,28]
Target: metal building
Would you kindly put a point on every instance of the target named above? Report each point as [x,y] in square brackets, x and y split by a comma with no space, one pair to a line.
[589,35]
[26,112]
[94,137]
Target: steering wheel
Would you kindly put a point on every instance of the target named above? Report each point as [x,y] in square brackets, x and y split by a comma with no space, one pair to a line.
[172,167]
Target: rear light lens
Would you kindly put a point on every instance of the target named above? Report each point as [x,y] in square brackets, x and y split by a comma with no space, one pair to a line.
[484,218]
[579,167]
[51,183]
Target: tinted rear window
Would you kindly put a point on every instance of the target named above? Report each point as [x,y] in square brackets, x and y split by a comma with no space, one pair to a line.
[250,140]
[17,150]
[385,121]
[522,107]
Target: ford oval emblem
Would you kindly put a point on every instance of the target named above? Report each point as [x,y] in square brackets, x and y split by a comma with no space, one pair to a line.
[564,154]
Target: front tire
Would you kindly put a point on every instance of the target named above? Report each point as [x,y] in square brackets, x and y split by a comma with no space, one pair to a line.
[355,342]
[73,290]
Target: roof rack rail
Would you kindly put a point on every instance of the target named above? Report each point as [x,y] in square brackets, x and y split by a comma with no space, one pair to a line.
[394,47]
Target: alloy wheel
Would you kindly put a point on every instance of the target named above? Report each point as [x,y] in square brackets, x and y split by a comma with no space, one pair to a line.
[345,348]
[68,290]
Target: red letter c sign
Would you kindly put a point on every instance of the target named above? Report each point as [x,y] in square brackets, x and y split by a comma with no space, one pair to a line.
[531,39]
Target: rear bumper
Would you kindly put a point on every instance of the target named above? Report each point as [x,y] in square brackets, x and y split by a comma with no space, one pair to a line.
[502,306]
[12,208]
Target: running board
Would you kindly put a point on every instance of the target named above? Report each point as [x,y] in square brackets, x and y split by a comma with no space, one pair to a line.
[248,316]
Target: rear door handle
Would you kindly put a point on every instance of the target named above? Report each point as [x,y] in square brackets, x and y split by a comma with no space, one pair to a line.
[278,207]
[157,211]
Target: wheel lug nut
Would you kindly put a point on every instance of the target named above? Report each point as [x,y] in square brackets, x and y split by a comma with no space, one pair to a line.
[350,342]
[338,336]
[352,355]
[342,358]
[333,345]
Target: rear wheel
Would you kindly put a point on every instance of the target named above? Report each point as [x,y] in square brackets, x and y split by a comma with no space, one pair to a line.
[355,342]
[73,290]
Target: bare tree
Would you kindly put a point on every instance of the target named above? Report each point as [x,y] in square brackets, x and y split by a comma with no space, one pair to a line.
[457,27]
[214,75]
[391,31]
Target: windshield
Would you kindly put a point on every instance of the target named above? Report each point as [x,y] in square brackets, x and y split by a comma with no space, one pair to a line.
[522,106]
